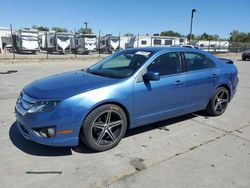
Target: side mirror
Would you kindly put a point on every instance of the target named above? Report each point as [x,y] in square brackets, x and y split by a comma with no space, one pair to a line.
[151,76]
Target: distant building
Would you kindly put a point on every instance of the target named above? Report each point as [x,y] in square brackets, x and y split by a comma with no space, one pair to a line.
[212,46]
[5,37]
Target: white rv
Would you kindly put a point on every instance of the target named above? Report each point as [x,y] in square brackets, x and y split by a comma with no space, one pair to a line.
[56,42]
[147,41]
[109,43]
[213,46]
[83,43]
[26,40]
[124,40]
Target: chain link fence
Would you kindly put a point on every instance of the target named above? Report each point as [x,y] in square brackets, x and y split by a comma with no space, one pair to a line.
[239,47]
[121,42]
[218,47]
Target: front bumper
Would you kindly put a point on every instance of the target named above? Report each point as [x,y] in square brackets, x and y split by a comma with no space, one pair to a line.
[31,135]
[61,119]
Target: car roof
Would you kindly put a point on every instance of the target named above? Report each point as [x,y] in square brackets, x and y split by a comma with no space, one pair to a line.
[170,49]
[157,50]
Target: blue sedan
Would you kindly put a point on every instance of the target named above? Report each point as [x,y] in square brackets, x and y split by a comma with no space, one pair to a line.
[127,89]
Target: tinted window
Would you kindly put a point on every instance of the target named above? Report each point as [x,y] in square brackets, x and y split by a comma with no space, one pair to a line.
[157,42]
[166,64]
[195,61]
[143,42]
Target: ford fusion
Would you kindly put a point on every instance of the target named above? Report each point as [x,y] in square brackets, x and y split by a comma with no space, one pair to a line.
[125,90]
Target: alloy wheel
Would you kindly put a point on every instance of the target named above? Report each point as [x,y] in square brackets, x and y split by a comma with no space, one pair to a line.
[221,101]
[107,128]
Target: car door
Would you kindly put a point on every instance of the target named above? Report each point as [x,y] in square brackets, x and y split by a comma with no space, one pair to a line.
[201,76]
[161,99]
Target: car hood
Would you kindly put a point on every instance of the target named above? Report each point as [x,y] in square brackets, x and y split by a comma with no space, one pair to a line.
[66,84]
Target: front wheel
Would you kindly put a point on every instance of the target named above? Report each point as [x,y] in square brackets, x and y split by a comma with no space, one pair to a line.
[219,101]
[104,127]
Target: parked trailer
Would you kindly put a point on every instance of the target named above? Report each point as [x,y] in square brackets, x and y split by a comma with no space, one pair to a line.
[139,41]
[109,43]
[147,41]
[124,40]
[213,46]
[26,40]
[56,42]
[83,43]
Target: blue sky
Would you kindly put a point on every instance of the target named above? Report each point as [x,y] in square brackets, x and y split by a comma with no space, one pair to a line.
[136,16]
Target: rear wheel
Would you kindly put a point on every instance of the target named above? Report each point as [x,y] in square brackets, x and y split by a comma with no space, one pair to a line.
[104,127]
[218,103]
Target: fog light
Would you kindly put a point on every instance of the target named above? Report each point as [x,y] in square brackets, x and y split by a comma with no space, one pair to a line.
[47,132]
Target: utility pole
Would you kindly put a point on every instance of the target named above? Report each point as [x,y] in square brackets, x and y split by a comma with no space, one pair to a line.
[12,42]
[99,44]
[191,25]
[119,40]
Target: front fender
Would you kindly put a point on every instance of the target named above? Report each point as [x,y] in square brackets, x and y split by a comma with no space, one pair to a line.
[86,102]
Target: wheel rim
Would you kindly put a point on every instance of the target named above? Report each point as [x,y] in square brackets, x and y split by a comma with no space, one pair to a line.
[221,101]
[107,128]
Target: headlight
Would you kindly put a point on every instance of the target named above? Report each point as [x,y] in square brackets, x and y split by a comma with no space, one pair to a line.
[42,106]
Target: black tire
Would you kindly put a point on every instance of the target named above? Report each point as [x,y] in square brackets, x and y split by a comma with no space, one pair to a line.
[244,58]
[219,101]
[104,127]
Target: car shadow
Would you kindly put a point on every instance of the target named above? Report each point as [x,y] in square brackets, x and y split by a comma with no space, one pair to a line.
[37,149]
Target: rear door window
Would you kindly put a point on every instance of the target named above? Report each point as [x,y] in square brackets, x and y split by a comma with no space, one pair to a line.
[196,61]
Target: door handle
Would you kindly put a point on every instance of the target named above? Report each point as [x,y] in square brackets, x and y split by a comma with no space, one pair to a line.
[214,76]
[178,82]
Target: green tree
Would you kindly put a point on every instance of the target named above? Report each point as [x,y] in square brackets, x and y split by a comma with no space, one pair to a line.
[237,36]
[40,28]
[85,30]
[59,29]
[170,33]
[206,36]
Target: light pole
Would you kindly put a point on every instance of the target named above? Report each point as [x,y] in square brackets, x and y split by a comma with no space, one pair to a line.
[191,25]
[86,25]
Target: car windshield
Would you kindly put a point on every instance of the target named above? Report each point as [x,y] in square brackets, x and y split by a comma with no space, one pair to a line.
[121,64]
